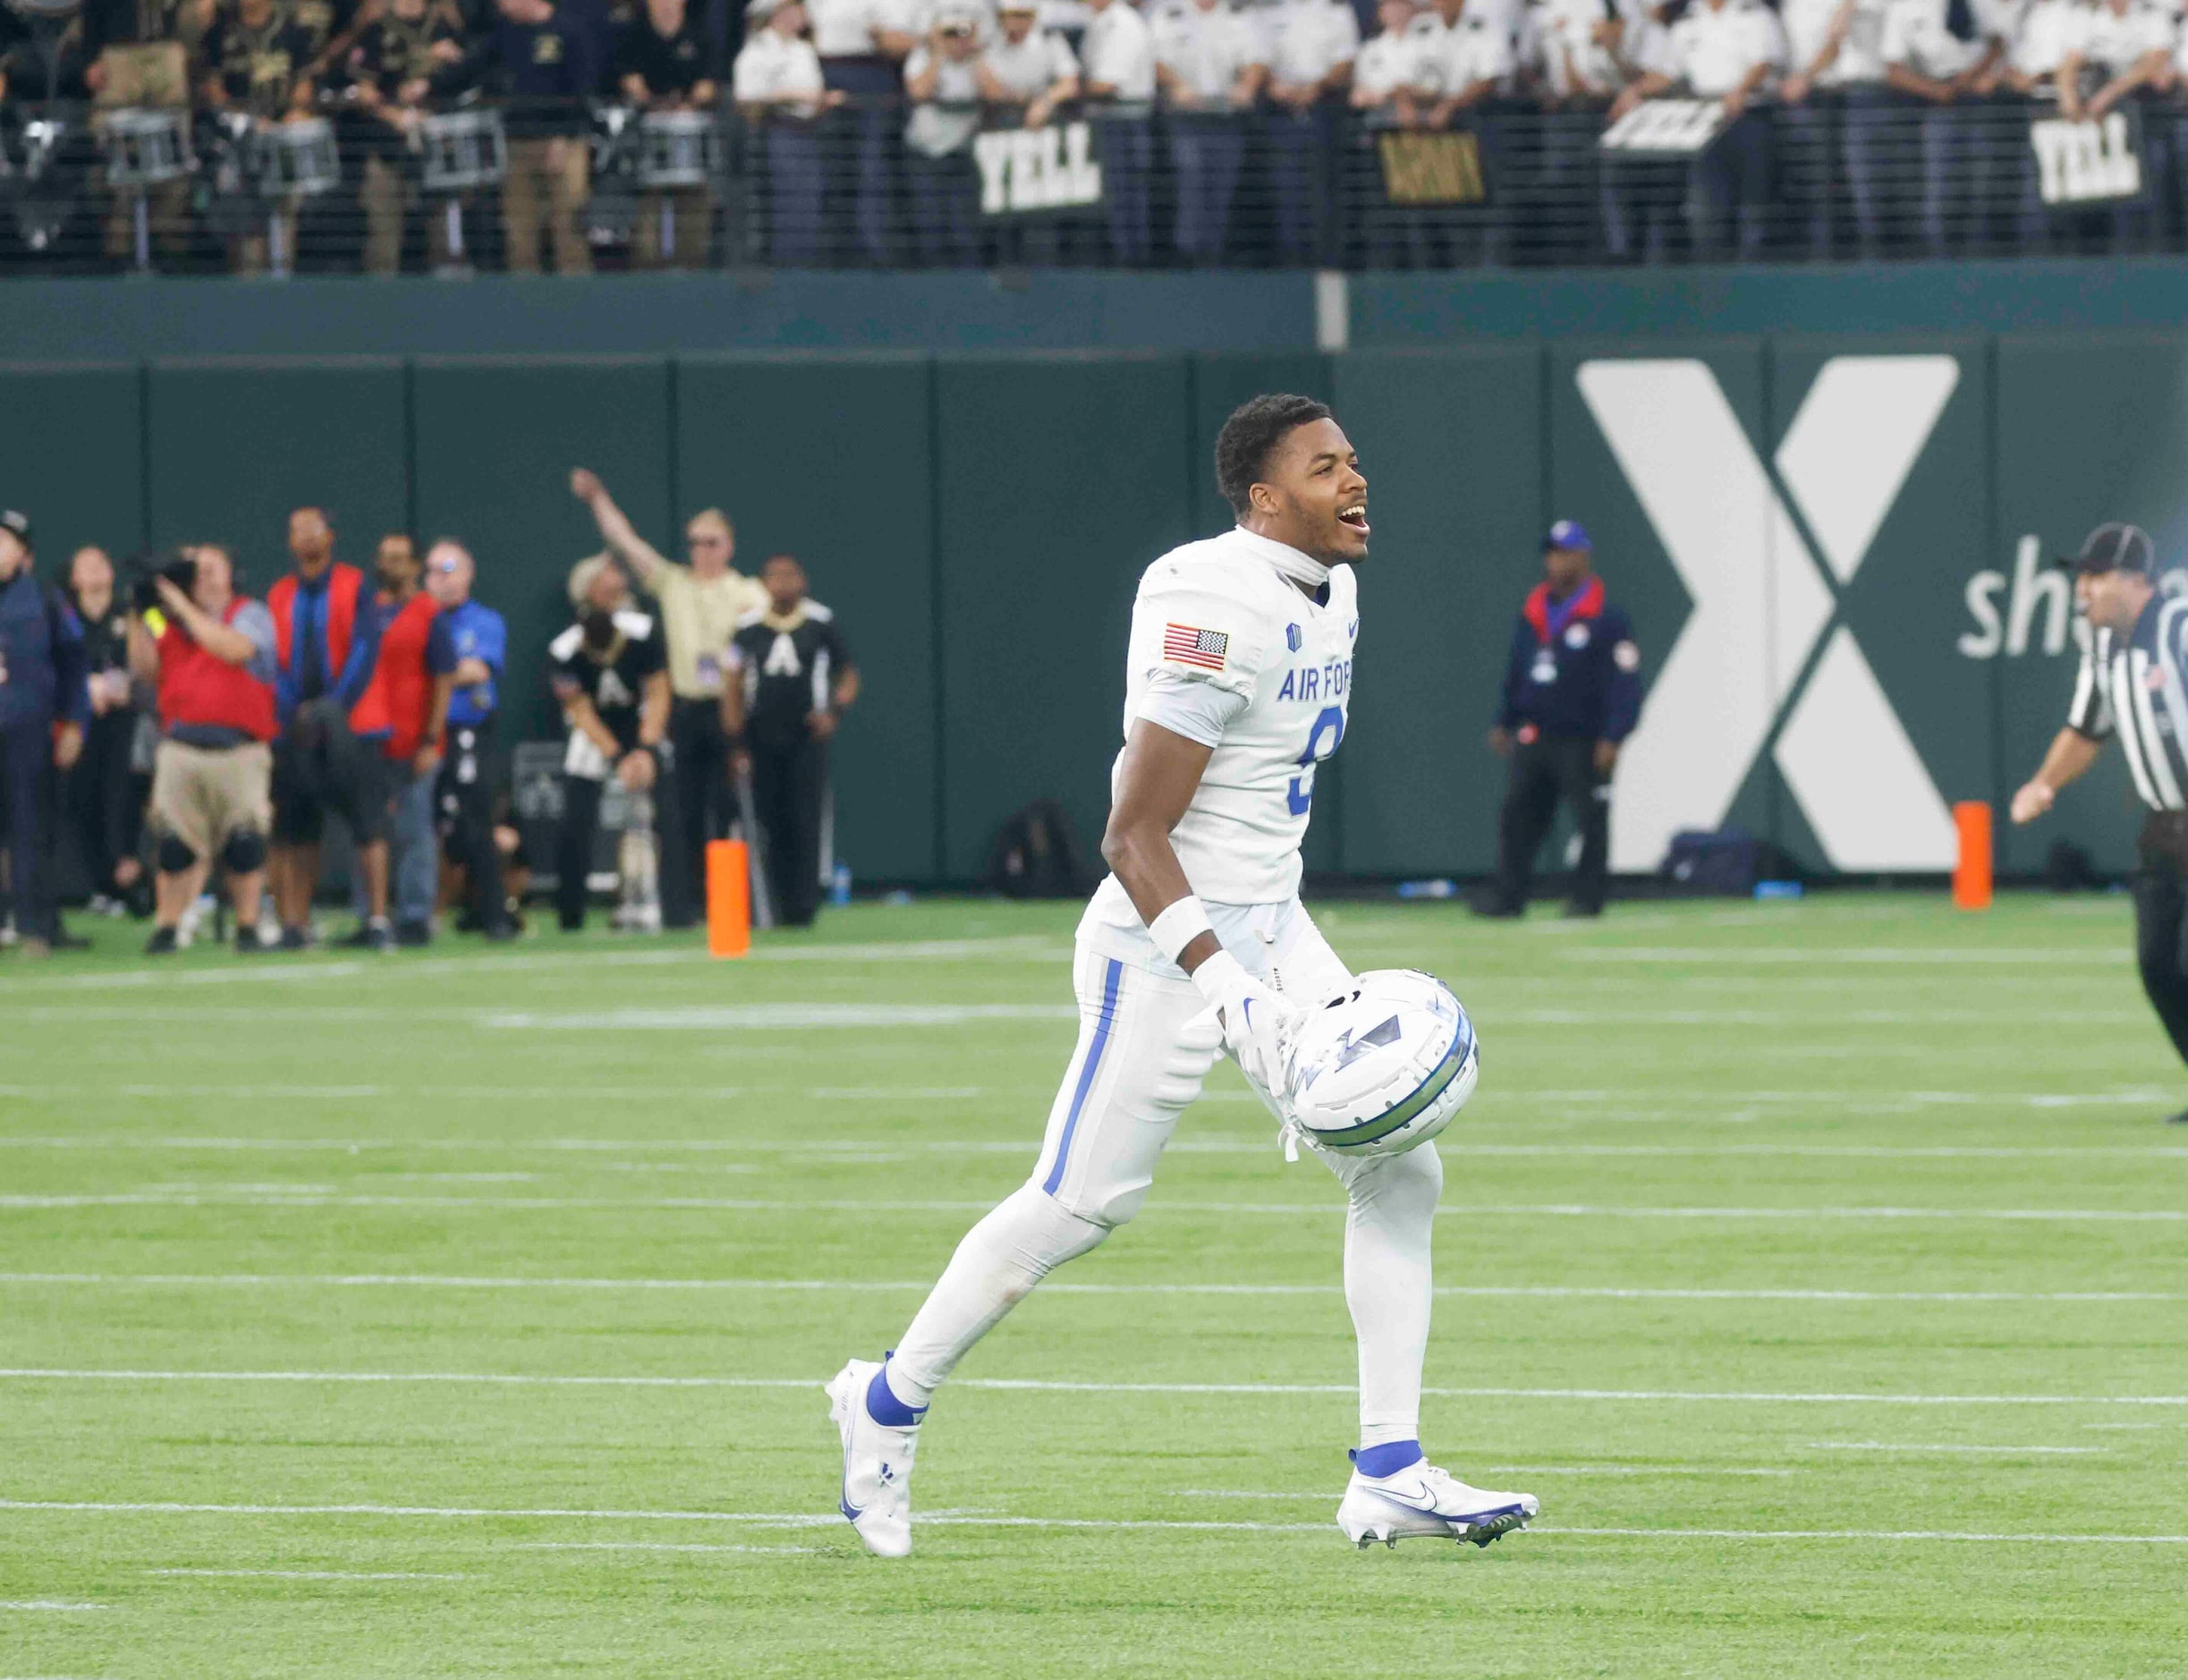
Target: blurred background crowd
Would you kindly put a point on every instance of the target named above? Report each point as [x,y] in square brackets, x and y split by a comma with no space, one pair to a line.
[173,743]
[456,135]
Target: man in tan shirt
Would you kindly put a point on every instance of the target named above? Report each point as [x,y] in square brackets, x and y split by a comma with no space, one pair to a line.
[700,604]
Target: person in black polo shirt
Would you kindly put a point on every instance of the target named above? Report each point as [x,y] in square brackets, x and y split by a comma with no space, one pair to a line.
[1571,694]
[541,59]
[610,671]
[792,679]
[665,62]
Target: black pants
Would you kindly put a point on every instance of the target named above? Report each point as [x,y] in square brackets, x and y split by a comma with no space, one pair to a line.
[789,778]
[573,842]
[104,799]
[1544,771]
[27,823]
[701,807]
[463,806]
[2162,922]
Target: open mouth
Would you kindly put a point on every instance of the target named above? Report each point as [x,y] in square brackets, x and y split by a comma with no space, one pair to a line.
[1355,517]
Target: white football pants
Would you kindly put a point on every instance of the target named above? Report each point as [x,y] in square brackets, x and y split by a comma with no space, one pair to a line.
[1142,1058]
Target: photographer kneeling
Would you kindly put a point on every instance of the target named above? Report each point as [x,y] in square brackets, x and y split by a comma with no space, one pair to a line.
[211,654]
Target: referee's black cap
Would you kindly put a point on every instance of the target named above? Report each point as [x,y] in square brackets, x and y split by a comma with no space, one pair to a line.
[2114,547]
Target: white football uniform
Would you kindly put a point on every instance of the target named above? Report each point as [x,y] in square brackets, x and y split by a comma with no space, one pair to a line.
[1228,651]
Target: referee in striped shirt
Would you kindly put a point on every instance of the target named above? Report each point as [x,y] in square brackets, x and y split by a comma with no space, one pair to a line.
[2132,684]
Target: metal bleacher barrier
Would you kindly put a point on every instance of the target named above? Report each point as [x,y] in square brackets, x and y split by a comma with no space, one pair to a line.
[1885,178]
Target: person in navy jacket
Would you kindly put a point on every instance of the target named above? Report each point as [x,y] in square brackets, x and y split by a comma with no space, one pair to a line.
[1571,693]
[43,707]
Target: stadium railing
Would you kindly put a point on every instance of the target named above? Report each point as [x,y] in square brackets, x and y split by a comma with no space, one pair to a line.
[1516,186]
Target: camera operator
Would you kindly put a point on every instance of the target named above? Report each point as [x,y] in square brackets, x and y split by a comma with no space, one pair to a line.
[105,791]
[611,674]
[212,656]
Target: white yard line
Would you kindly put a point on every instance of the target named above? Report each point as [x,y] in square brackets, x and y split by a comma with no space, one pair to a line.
[307,1574]
[770,1017]
[216,1197]
[805,1519]
[868,1285]
[824,1149]
[48,1604]
[1804,955]
[526,1380]
[1888,1447]
[644,1546]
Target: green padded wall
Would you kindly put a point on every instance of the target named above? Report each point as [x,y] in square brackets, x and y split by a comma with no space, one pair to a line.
[235,446]
[1058,480]
[72,456]
[1451,442]
[765,439]
[493,442]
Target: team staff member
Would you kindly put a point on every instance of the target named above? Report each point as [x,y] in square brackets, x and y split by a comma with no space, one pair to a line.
[1571,696]
[105,793]
[464,793]
[325,642]
[2131,685]
[43,707]
[702,605]
[611,674]
[213,659]
[796,681]
[403,716]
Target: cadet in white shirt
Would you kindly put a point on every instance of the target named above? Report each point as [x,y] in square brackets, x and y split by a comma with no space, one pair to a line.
[2123,50]
[861,42]
[2037,48]
[1025,73]
[942,80]
[1724,50]
[777,84]
[1383,95]
[1465,61]
[1927,59]
[1835,115]
[1116,82]
[1209,62]
[1312,45]
[1574,51]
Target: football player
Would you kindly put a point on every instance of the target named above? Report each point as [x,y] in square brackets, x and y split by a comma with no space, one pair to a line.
[1239,673]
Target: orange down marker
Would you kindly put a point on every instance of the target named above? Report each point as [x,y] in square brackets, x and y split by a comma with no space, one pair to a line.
[1972,878]
[729,898]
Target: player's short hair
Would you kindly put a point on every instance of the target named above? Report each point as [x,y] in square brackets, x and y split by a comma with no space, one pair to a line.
[1251,436]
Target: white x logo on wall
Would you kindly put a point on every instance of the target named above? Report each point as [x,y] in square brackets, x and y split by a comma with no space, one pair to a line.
[1761,604]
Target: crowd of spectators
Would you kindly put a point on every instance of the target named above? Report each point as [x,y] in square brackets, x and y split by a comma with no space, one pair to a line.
[797,133]
[185,742]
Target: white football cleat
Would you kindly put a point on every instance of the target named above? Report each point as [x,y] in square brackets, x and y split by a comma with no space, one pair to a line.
[877,1494]
[1423,1501]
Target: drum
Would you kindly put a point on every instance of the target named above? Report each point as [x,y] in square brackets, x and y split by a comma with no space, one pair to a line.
[678,150]
[145,147]
[464,150]
[297,160]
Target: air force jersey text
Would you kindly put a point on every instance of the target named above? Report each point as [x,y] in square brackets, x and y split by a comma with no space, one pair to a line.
[1228,651]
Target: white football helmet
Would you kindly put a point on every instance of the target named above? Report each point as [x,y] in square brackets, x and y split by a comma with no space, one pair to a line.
[1382,1068]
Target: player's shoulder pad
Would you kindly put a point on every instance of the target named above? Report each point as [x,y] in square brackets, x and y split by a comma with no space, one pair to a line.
[637,625]
[565,645]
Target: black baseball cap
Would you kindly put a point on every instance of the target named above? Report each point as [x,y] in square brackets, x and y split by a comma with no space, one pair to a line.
[2114,547]
[20,523]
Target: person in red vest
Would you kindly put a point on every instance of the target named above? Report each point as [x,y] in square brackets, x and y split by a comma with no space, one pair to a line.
[403,717]
[325,641]
[212,658]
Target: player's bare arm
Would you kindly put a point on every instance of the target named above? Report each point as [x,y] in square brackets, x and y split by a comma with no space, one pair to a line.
[1155,782]
[2069,758]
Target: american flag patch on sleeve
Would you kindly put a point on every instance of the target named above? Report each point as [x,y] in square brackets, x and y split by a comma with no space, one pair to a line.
[1205,648]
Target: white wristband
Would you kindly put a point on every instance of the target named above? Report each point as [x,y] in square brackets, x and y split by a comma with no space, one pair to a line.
[1178,927]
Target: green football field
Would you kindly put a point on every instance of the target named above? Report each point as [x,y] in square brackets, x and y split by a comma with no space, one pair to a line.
[1823,1266]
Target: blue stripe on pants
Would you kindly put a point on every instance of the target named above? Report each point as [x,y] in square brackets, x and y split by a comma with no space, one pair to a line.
[1087,1071]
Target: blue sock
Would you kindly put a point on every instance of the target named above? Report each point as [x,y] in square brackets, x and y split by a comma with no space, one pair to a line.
[1386,1460]
[888,1410]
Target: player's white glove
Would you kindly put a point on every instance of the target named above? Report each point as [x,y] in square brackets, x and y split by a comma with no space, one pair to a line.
[1257,1023]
